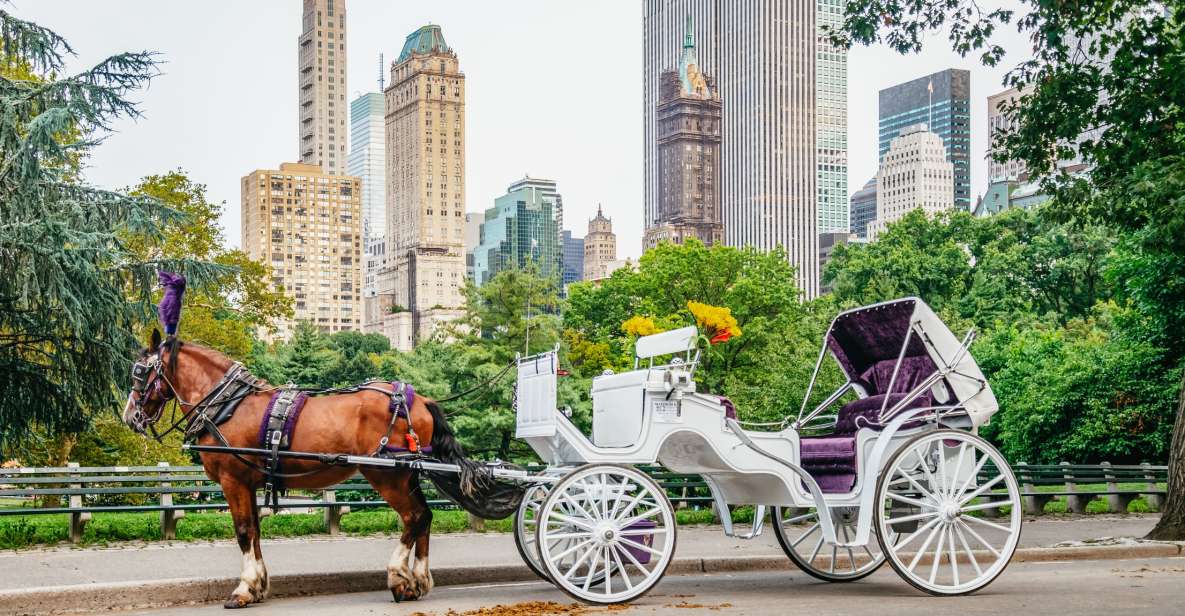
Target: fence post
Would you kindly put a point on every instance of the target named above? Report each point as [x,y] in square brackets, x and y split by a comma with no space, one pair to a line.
[1153,497]
[1034,503]
[78,519]
[1116,502]
[1074,502]
[333,513]
[168,515]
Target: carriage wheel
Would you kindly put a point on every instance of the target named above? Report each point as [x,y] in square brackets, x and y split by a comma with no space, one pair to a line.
[809,551]
[931,493]
[525,522]
[606,533]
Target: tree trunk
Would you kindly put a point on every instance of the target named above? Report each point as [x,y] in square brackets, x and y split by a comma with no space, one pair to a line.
[1172,515]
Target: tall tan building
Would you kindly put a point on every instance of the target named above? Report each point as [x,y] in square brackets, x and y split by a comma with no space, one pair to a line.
[688,133]
[421,285]
[600,248]
[321,78]
[307,225]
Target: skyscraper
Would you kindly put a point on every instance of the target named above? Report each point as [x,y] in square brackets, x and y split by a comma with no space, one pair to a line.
[523,226]
[767,86]
[600,247]
[321,85]
[863,209]
[425,130]
[367,160]
[665,28]
[307,225]
[831,121]
[573,270]
[688,137]
[998,123]
[942,102]
[914,174]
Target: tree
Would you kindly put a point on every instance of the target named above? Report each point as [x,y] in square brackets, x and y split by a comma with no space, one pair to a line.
[1104,86]
[306,358]
[71,291]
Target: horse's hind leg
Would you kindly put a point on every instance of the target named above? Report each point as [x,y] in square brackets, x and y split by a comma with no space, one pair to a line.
[401,490]
[253,582]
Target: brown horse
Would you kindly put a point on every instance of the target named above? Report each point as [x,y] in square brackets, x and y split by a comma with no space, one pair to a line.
[351,423]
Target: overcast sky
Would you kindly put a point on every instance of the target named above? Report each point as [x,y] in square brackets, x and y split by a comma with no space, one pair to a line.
[554,89]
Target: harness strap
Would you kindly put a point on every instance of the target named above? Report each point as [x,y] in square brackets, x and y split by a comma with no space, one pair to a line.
[275,433]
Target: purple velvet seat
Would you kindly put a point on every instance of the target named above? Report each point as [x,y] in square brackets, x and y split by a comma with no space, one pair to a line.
[831,459]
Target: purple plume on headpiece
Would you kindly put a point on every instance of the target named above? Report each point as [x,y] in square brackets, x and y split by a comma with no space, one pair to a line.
[170,305]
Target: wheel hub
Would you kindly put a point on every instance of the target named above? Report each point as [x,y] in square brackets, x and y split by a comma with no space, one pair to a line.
[950,511]
[606,534]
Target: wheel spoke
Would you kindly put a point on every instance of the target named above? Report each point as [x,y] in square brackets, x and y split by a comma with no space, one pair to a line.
[642,492]
[815,552]
[592,568]
[799,518]
[971,478]
[578,508]
[938,547]
[917,486]
[640,546]
[907,500]
[978,538]
[917,533]
[562,555]
[608,571]
[954,562]
[910,518]
[926,471]
[851,555]
[559,517]
[580,561]
[967,549]
[808,531]
[925,546]
[630,555]
[638,518]
[980,490]
[625,575]
[999,527]
[987,505]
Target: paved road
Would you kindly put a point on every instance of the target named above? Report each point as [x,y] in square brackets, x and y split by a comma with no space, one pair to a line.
[220,559]
[1081,588]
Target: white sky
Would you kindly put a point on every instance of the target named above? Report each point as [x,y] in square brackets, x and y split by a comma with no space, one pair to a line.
[554,89]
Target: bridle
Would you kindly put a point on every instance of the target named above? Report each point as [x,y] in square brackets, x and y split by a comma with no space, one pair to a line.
[148,377]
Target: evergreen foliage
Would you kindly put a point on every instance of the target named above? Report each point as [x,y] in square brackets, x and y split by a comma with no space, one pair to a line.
[72,291]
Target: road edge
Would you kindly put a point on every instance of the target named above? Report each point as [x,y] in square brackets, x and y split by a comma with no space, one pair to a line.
[108,597]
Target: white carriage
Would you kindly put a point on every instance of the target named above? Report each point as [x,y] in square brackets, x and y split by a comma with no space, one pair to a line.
[888,467]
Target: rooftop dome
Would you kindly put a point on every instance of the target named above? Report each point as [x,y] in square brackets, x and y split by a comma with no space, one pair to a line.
[428,39]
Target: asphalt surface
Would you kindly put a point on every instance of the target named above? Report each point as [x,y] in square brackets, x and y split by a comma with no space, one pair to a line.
[1082,588]
[138,562]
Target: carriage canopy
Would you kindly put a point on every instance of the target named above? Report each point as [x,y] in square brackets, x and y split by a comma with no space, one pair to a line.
[867,343]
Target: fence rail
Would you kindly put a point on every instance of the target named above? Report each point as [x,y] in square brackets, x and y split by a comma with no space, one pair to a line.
[178,489]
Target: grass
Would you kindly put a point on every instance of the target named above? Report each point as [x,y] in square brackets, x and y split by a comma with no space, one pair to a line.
[22,531]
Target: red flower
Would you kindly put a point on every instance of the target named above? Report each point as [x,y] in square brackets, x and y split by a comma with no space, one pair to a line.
[723,336]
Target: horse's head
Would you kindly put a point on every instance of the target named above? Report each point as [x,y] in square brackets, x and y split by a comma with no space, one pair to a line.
[151,388]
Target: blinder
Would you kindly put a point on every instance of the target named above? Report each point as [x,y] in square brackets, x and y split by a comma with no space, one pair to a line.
[148,378]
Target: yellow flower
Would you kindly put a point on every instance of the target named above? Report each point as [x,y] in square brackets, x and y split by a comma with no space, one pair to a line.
[639,326]
[716,322]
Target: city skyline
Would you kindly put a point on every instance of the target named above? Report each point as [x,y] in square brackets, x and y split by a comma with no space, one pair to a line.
[181,130]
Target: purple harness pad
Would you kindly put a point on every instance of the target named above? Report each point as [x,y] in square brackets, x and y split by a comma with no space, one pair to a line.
[289,421]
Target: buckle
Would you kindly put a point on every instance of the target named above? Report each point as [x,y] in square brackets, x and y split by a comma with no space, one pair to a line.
[276,436]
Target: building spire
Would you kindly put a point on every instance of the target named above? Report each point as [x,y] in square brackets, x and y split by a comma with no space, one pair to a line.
[688,35]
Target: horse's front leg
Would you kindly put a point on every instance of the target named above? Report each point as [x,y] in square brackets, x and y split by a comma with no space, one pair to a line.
[253,582]
[401,490]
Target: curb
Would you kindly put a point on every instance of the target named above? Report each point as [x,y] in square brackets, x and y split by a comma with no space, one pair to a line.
[187,591]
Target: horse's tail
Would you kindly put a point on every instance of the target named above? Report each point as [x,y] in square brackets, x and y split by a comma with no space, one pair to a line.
[474,487]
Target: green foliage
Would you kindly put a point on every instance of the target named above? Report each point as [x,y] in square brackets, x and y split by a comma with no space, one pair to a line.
[764,371]
[71,290]
[1087,392]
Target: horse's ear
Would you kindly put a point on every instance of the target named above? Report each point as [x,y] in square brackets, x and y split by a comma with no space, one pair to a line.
[154,343]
